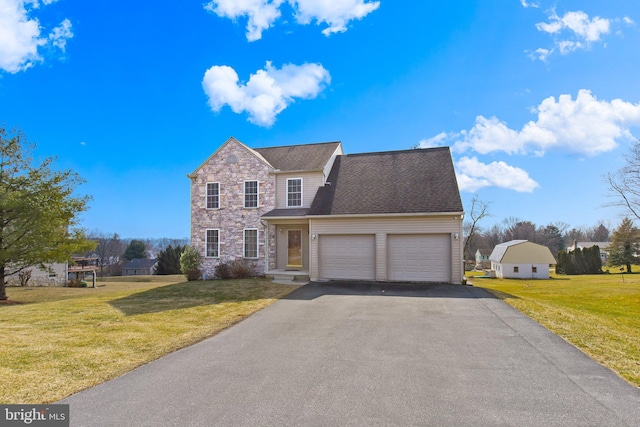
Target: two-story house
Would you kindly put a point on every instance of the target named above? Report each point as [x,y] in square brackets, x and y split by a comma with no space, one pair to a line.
[389,216]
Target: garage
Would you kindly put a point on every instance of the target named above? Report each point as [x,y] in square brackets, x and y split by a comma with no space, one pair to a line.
[419,257]
[347,257]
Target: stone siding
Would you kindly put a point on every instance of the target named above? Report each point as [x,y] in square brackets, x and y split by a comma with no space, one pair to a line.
[231,166]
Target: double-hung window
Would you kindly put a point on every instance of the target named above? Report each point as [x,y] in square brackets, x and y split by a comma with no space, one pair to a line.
[250,243]
[251,194]
[213,195]
[294,192]
[212,243]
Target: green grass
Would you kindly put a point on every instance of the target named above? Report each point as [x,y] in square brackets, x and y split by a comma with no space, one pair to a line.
[63,340]
[600,314]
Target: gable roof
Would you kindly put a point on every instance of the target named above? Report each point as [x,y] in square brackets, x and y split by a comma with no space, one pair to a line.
[231,140]
[585,245]
[522,252]
[306,157]
[498,252]
[409,181]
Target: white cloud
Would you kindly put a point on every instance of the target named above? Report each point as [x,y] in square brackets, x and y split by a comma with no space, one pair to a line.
[261,14]
[335,13]
[473,175]
[628,20]
[60,34]
[531,4]
[541,53]
[20,35]
[573,31]
[36,3]
[435,141]
[585,126]
[267,93]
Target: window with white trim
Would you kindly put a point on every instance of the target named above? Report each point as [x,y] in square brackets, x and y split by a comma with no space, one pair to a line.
[251,194]
[212,243]
[516,269]
[294,192]
[250,243]
[534,269]
[213,195]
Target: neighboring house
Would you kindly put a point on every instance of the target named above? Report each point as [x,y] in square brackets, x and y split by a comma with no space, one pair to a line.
[58,274]
[482,259]
[521,259]
[603,246]
[389,216]
[139,267]
[52,275]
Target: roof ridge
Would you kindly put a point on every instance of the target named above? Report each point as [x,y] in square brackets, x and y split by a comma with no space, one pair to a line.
[409,150]
[299,145]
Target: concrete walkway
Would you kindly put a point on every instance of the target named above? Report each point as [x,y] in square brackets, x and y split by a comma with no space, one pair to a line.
[370,355]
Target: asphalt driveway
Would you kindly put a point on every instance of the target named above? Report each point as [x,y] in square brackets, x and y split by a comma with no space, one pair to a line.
[367,355]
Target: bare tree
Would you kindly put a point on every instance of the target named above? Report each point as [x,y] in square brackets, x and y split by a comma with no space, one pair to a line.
[624,185]
[479,210]
[599,233]
[516,229]
[108,251]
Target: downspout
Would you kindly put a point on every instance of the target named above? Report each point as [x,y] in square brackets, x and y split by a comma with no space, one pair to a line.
[267,249]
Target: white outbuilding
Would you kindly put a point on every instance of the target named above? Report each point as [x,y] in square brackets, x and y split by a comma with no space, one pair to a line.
[521,259]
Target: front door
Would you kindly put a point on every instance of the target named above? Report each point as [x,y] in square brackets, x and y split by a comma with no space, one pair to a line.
[294,257]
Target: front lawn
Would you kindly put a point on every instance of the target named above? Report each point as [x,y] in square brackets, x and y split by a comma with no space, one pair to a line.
[63,340]
[600,314]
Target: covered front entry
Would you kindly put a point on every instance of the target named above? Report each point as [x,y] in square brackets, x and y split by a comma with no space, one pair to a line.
[291,247]
[419,257]
[350,256]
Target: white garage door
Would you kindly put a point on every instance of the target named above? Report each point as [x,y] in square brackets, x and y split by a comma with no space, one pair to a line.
[347,257]
[419,257]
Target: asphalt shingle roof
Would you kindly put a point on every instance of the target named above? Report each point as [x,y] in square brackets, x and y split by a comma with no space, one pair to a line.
[287,212]
[299,157]
[411,181]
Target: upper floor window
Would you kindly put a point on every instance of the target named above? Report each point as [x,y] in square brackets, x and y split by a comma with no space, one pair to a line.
[294,192]
[251,194]
[213,195]
[212,243]
[250,243]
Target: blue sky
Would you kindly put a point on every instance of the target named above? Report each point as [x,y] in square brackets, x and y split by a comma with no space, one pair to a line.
[538,99]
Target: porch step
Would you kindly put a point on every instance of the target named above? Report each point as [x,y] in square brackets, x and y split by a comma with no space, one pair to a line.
[292,277]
